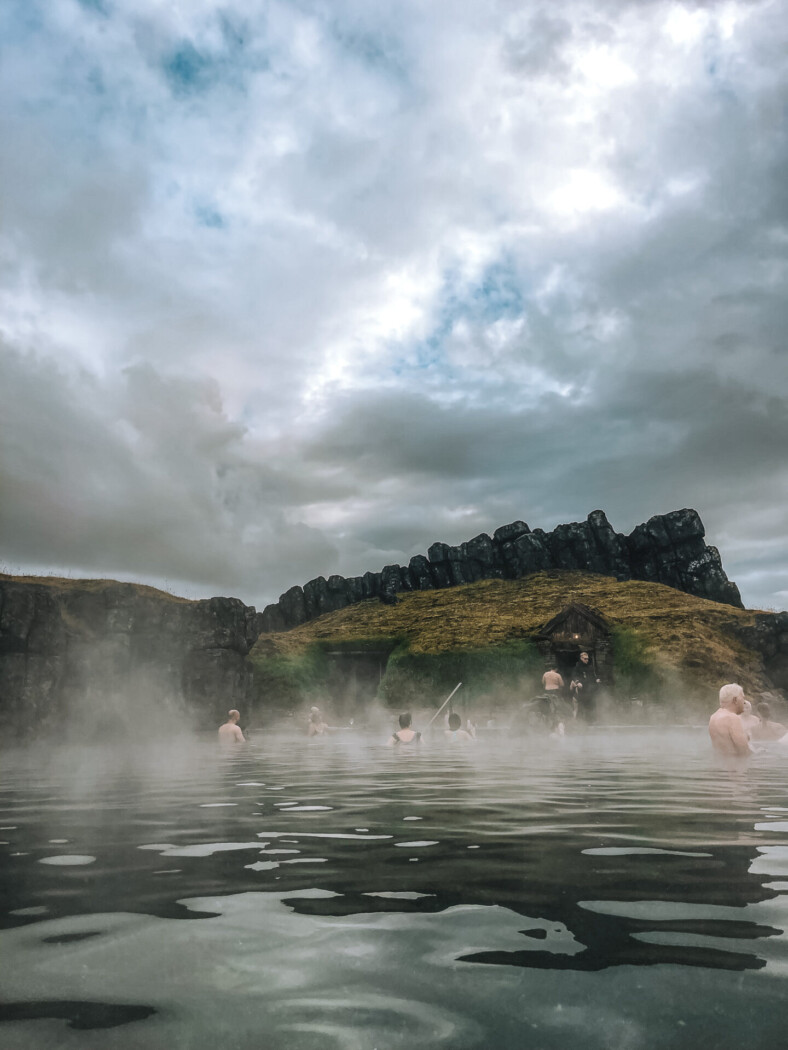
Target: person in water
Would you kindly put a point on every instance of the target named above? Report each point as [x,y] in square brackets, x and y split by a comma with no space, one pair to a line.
[552,680]
[728,735]
[230,731]
[405,734]
[765,729]
[748,719]
[316,726]
[455,734]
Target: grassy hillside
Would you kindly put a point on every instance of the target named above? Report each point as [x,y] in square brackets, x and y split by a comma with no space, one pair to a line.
[90,586]
[665,641]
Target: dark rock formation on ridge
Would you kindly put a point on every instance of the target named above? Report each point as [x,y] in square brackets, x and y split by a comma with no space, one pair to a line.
[769,637]
[668,548]
[100,656]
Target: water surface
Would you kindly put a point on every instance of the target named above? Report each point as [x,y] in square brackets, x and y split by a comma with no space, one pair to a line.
[615,890]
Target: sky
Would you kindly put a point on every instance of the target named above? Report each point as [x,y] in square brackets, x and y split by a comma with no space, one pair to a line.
[297,287]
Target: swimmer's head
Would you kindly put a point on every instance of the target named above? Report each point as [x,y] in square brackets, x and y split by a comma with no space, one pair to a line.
[764,711]
[747,707]
[405,720]
[732,697]
[233,715]
[584,657]
[454,721]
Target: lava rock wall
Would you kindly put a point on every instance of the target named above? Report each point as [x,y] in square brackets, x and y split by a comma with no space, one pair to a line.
[668,548]
[98,656]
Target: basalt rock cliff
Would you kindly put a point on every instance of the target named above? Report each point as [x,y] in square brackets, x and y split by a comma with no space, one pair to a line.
[96,657]
[668,549]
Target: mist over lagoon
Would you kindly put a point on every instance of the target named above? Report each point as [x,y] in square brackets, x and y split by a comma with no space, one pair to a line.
[600,889]
[351,354]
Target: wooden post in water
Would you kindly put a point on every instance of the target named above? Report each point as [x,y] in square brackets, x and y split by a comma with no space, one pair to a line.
[448,698]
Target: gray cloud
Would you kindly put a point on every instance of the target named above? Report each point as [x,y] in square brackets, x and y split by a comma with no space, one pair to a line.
[300,294]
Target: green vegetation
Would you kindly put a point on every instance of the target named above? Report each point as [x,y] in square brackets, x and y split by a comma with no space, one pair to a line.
[482,634]
[633,663]
[415,679]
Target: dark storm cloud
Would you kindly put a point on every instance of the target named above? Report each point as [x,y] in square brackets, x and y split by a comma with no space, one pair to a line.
[302,293]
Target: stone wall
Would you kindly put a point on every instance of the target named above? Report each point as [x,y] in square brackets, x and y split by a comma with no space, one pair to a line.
[98,655]
[668,548]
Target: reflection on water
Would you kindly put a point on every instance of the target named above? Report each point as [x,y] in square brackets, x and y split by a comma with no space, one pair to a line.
[612,890]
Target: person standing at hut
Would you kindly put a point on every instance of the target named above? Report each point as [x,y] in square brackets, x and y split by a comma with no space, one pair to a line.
[552,680]
[583,688]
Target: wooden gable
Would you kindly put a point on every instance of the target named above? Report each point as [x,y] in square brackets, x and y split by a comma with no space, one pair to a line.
[576,624]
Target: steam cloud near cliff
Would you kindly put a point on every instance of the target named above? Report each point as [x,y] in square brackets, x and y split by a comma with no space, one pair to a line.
[310,292]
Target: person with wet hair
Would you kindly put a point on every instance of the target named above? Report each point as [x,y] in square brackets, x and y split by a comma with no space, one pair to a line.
[455,734]
[728,735]
[230,731]
[766,729]
[405,734]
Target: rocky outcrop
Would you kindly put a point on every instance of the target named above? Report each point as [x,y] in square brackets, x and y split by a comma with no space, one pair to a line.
[668,548]
[768,635]
[98,656]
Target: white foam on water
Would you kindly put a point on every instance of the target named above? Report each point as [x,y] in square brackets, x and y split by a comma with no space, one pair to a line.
[413,818]
[308,809]
[207,849]
[58,842]
[270,852]
[68,860]
[777,825]
[395,895]
[250,784]
[625,851]
[306,860]
[318,835]
[216,805]
[39,909]
[263,865]
[413,845]
[157,845]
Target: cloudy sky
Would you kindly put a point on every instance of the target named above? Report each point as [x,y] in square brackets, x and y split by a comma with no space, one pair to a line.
[296,287]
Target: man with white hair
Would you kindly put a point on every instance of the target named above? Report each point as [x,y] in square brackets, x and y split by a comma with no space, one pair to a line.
[728,735]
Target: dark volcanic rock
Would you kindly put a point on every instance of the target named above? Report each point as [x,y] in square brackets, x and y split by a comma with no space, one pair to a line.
[768,636]
[112,656]
[420,573]
[509,533]
[668,549]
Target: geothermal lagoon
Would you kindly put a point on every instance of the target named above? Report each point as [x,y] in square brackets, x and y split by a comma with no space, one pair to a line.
[617,888]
